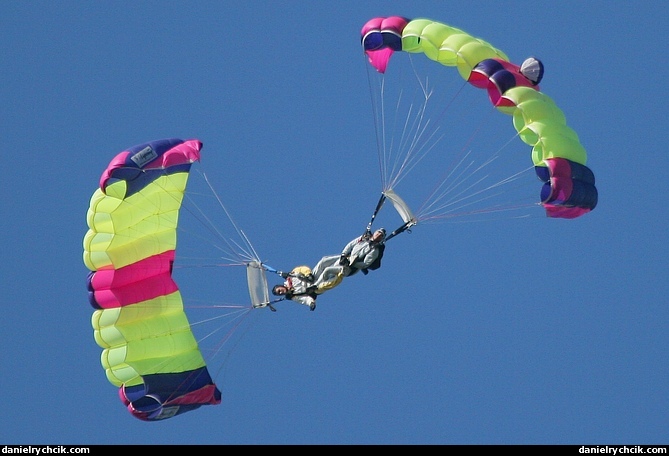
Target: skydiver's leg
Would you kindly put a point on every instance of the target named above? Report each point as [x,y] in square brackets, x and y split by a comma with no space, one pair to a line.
[329,277]
[324,263]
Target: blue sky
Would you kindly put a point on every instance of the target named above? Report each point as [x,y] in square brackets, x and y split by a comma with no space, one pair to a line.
[511,331]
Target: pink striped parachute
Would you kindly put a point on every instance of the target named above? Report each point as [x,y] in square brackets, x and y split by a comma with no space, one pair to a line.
[149,350]
[558,157]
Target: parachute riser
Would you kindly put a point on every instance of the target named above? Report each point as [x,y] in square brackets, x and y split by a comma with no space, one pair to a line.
[379,205]
[269,304]
[405,227]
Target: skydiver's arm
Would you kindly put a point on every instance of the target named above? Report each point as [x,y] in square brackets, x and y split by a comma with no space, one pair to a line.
[304,299]
[370,257]
[304,278]
[349,247]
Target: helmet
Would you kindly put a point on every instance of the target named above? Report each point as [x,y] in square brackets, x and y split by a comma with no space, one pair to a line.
[383,231]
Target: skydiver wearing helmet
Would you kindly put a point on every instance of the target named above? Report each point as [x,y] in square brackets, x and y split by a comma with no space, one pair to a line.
[363,253]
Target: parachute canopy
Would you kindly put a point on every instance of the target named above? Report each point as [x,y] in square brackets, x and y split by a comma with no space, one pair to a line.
[559,159]
[149,350]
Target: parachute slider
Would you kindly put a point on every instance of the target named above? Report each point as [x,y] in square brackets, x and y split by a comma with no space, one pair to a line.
[400,206]
[257,283]
[402,209]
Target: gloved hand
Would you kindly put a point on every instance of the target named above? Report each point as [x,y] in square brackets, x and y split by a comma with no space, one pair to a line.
[283,274]
[343,261]
[306,277]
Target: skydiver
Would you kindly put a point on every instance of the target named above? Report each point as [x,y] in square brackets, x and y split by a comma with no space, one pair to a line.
[298,287]
[360,254]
